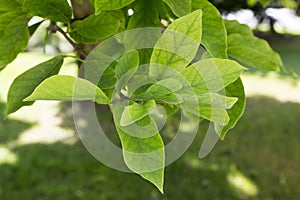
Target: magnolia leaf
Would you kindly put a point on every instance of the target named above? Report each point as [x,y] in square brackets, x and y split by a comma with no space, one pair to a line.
[212,75]
[68,88]
[138,84]
[206,55]
[108,79]
[233,26]
[235,89]
[143,147]
[8,16]
[163,91]
[8,5]
[179,7]
[135,112]
[168,98]
[25,83]
[244,47]
[214,37]
[145,14]
[97,26]
[95,68]
[210,106]
[216,115]
[217,100]
[80,38]
[13,39]
[127,63]
[110,5]
[55,10]
[170,109]
[253,52]
[164,87]
[126,67]
[178,45]
[122,17]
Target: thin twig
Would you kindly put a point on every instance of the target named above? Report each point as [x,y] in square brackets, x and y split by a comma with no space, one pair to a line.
[55,28]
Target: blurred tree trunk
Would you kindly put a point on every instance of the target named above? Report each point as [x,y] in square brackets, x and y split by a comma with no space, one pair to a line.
[81,10]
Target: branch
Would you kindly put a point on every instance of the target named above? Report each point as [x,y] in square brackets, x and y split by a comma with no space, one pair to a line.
[55,28]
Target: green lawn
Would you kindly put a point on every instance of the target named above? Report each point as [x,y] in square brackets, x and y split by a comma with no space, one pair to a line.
[259,159]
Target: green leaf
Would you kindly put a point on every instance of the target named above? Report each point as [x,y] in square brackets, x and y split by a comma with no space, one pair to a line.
[95,68]
[145,14]
[178,45]
[13,31]
[7,17]
[143,147]
[127,63]
[19,1]
[55,10]
[250,50]
[139,84]
[168,98]
[108,79]
[217,100]
[145,55]
[235,89]
[68,88]
[233,26]
[211,106]
[170,109]
[253,52]
[110,5]
[212,75]
[179,7]
[160,91]
[126,68]
[120,15]
[214,37]
[206,55]
[135,112]
[8,5]
[216,115]
[163,87]
[98,26]
[25,84]
[81,39]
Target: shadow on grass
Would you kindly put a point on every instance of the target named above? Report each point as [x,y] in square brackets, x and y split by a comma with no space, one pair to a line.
[262,152]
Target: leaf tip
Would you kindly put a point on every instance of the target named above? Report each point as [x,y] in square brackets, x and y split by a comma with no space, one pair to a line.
[161,190]
[158,185]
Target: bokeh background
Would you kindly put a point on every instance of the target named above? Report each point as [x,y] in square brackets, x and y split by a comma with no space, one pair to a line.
[41,156]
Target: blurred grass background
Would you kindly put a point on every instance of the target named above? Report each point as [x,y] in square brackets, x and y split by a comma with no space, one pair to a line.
[41,156]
